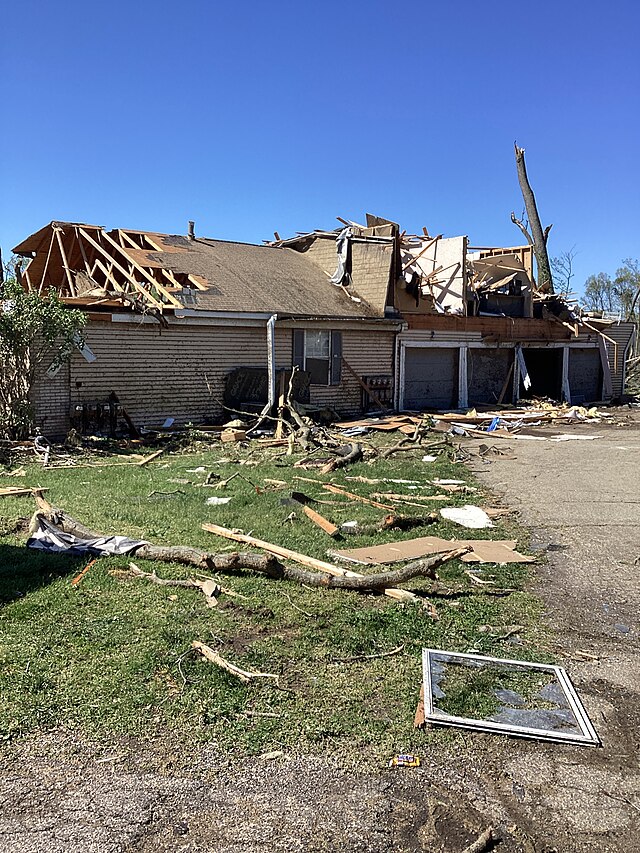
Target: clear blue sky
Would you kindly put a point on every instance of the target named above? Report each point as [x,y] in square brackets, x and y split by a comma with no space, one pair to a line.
[253,117]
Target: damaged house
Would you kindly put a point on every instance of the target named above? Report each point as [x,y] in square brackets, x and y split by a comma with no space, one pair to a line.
[187,328]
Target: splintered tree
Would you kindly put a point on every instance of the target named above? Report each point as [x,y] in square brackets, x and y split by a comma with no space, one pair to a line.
[539,235]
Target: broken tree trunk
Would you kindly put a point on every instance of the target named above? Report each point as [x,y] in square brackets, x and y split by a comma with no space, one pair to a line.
[538,234]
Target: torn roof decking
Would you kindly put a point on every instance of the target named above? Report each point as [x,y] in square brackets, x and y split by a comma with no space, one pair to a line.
[128,265]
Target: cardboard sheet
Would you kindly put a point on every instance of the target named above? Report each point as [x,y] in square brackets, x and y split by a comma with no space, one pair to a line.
[484,551]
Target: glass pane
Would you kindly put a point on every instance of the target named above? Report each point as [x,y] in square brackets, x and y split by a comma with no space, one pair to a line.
[500,693]
[316,344]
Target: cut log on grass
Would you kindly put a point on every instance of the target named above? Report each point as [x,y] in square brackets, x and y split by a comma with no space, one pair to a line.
[244,675]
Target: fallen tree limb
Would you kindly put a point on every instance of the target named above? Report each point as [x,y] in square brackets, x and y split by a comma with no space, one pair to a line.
[209,588]
[484,842]
[353,455]
[326,574]
[303,559]
[244,675]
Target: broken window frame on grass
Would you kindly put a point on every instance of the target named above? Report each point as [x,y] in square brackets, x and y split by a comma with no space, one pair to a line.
[587,736]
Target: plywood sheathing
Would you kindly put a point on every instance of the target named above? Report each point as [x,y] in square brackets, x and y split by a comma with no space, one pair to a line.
[438,268]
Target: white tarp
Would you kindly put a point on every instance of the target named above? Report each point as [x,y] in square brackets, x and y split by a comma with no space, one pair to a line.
[47,537]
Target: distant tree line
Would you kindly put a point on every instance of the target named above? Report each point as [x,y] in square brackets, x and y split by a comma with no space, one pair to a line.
[618,295]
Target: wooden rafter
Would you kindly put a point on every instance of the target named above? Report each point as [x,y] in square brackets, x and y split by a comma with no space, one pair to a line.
[176,303]
[163,290]
[65,262]
[46,264]
[121,269]
[84,254]
[109,276]
[170,276]
[196,283]
[124,236]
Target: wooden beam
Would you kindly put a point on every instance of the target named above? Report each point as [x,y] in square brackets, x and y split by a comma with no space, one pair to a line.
[421,252]
[120,268]
[110,276]
[46,263]
[176,303]
[124,236]
[65,262]
[84,254]
[196,283]
[310,562]
[163,290]
[364,385]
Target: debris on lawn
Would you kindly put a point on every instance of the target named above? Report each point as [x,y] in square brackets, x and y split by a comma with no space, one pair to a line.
[498,695]
[215,501]
[46,535]
[15,492]
[302,500]
[81,574]
[54,530]
[467,516]
[244,675]
[406,760]
[480,550]
[328,575]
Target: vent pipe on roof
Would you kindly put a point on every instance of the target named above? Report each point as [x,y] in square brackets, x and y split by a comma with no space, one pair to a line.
[192,233]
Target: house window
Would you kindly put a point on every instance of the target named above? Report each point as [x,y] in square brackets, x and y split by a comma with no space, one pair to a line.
[319,353]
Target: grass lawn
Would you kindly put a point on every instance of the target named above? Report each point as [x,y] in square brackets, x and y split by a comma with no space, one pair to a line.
[107,656]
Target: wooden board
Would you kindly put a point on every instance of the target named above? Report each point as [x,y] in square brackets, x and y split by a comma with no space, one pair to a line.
[15,491]
[484,551]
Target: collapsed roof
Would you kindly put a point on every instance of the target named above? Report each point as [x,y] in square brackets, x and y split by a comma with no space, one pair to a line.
[94,268]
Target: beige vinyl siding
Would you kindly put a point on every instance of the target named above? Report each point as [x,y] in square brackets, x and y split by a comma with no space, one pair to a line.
[368,353]
[621,333]
[176,372]
[179,371]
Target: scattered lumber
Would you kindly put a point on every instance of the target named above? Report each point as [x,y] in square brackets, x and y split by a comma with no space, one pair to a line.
[244,675]
[151,457]
[327,575]
[321,521]
[81,574]
[336,490]
[16,492]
